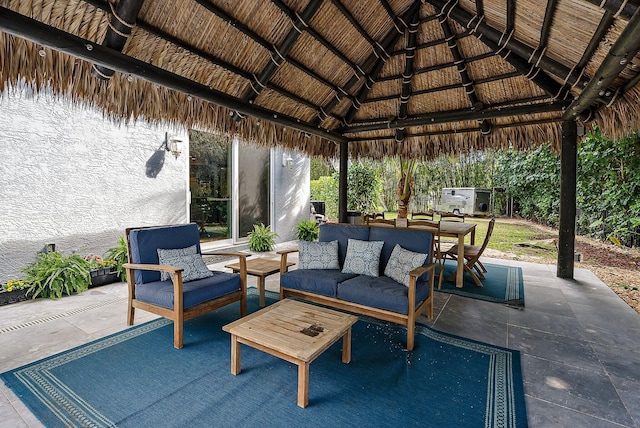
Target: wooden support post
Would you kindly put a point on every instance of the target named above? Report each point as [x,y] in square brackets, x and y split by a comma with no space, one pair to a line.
[342,184]
[567,231]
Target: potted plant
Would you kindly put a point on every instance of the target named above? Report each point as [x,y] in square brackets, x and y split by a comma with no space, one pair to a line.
[262,238]
[307,230]
[54,275]
[15,290]
[120,256]
[102,271]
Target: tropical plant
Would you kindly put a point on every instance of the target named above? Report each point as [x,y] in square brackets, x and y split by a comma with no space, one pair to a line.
[262,238]
[307,230]
[53,275]
[120,256]
[405,185]
[363,191]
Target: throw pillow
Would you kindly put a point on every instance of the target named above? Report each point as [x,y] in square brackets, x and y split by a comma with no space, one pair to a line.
[401,263]
[186,258]
[318,255]
[363,257]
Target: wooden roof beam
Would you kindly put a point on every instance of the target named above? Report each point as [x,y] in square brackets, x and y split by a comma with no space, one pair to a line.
[510,23]
[515,52]
[407,74]
[623,8]
[436,67]
[347,14]
[479,7]
[279,53]
[460,63]
[546,25]
[621,53]
[51,37]
[123,19]
[374,63]
[459,115]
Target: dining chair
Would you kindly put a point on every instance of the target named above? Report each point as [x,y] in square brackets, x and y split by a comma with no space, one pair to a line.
[472,255]
[380,222]
[428,215]
[449,216]
[434,228]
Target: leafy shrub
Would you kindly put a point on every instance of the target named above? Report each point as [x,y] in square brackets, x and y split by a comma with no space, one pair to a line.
[120,256]
[307,230]
[53,275]
[262,238]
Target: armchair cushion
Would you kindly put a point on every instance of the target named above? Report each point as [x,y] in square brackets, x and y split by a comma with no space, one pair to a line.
[185,258]
[194,292]
[318,255]
[363,257]
[401,263]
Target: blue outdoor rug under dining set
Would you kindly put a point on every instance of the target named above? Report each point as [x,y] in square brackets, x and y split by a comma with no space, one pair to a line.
[136,378]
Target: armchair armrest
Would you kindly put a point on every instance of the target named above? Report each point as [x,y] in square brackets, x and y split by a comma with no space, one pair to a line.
[422,269]
[159,268]
[283,258]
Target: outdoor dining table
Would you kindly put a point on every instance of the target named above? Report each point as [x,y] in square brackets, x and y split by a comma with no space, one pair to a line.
[458,229]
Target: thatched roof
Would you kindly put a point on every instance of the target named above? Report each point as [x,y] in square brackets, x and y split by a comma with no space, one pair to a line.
[415,78]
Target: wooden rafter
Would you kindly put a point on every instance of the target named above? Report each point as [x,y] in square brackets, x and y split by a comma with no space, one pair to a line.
[345,12]
[461,66]
[280,52]
[511,16]
[623,50]
[515,53]
[407,74]
[546,25]
[123,19]
[374,63]
[51,37]
[480,7]
[459,115]
[623,8]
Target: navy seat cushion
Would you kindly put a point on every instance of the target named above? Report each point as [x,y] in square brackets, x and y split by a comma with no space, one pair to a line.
[342,233]
[324,282]
[418,241]
[381,292]
[145,244]
[195,292]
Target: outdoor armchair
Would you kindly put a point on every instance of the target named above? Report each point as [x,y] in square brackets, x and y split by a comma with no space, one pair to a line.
[167,276]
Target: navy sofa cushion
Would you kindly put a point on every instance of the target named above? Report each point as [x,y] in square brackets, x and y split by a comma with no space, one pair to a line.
[418,241]
[195,292]
[342,233]
[145,243]
[381,292]
[319,281]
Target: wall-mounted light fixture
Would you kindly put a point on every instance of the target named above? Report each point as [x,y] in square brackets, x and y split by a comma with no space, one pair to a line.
[287,161]
[173,145]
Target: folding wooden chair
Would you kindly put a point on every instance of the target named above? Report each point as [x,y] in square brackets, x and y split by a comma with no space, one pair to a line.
[472,255]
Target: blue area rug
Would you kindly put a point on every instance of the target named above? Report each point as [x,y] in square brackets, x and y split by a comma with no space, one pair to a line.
[137,379]
[503,284]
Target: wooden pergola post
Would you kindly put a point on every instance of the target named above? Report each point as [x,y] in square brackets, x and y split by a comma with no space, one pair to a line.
[342,184]
[567,229]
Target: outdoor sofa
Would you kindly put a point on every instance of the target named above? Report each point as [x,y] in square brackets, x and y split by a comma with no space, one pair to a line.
[350,281]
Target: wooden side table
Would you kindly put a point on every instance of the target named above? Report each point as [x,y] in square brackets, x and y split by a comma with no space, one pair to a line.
[261,268]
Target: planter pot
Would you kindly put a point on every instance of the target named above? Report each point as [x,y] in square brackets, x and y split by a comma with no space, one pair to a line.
[15,296]
[103,276]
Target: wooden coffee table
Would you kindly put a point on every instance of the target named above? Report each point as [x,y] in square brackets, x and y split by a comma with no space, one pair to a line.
[294,331]
[261,268]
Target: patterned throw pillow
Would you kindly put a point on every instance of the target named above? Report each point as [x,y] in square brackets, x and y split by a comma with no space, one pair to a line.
[401,263]
[318,255]
[186,258]
[363,257]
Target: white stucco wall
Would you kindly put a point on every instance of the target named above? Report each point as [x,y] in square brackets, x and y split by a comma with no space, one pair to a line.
[72,178]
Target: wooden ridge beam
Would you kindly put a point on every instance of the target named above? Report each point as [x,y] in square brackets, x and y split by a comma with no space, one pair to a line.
[123,19]
[621,53]
[461,66]
[407,74]
[280,53]
[623,8]
[374,64]
[30,29]
[459,115]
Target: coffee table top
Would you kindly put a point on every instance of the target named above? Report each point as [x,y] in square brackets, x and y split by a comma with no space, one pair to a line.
[259,266]
[293,328]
